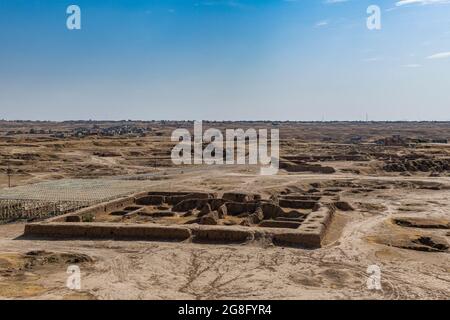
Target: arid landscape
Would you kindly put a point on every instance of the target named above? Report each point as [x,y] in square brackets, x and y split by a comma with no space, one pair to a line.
[105,196]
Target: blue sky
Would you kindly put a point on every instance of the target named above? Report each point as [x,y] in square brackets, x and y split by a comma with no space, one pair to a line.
[225,60]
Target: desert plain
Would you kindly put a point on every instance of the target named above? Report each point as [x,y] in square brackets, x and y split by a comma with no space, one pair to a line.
[387,185]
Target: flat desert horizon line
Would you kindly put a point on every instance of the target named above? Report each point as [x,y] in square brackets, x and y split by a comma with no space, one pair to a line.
[225,121]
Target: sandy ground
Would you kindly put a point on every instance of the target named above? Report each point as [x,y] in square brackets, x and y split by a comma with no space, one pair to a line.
[162,270]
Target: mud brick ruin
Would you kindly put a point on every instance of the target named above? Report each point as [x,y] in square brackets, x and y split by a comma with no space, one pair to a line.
[299,219]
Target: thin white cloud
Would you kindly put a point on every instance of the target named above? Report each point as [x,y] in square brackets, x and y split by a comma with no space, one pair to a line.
[322,23]
[441,55]
[421,2]
[225,3]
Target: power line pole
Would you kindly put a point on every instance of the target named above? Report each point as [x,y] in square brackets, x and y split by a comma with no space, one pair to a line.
[9,173]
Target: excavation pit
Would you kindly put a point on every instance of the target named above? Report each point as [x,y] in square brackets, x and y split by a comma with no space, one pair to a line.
[195,216]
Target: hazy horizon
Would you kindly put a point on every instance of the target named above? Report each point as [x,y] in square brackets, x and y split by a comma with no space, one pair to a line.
[220,120]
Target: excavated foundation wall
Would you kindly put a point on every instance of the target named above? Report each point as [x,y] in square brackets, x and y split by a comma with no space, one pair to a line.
[308,231]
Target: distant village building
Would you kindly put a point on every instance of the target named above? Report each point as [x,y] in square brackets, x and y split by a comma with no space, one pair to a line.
[445,141]
[356,139]
[395,140]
